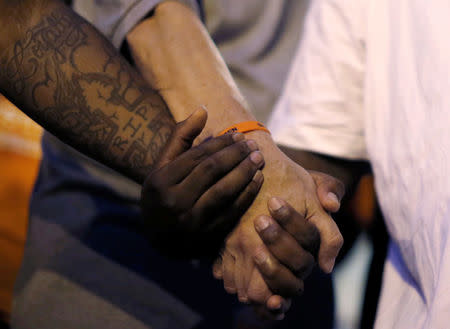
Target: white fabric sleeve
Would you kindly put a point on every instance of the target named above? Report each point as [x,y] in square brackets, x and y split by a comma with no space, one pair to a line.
[116,18]
[321,107]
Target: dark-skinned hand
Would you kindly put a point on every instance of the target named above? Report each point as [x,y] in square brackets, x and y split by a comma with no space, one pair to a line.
[196,195]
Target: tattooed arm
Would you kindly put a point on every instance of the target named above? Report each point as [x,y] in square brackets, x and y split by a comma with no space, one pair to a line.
[61,72]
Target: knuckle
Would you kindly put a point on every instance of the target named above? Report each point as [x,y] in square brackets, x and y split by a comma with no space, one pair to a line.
[210,165]
[270,270]
[258,295]
[242,240]
[243,148]
[303,267]
[198,152]
[226,139]
[299,264]
[336,242]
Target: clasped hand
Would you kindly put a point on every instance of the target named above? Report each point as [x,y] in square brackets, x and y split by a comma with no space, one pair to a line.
[196,196]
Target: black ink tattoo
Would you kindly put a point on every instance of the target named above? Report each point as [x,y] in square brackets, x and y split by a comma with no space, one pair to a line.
[135,128]
[67,77]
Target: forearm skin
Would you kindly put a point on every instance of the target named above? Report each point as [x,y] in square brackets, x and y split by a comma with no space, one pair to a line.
[65,75]
[186,67]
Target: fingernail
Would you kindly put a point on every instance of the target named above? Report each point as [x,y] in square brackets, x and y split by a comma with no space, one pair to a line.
[261,223]
[274,204]
[333,197]
[256,157]
[261,257]
[258,178]
[238,137]
[252,145]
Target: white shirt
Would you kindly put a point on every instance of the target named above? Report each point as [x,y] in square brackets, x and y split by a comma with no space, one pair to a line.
[371,80]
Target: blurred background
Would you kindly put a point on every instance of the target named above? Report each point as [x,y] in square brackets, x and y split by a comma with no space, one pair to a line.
[19,160]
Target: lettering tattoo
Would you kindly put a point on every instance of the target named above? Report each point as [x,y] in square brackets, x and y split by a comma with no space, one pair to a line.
[67,77]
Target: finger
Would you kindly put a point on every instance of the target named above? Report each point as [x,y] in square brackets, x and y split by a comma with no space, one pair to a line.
[210,170]
[217,268]
[221,221]
[280,280]
[284,247]
[228,273]
[235,192]
[239,280]
[175,171]
[245,199]
[277,304]
[331,240]
[183,136]
[225,224]
[277,307]
[320,233]
[306,234]
[330,190]
[258,291]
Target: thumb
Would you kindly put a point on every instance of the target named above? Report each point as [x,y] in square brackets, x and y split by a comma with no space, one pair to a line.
[330,190]
[183,136]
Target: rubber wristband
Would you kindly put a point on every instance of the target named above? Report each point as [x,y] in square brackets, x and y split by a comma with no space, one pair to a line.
[244,127]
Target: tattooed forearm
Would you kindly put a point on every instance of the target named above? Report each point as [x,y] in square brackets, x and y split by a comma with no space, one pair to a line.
[68,78]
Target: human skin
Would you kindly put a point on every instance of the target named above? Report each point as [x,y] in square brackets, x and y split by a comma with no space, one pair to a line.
[190,74]
[65,75]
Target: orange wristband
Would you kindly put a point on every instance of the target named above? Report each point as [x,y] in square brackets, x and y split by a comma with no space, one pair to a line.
[244,127]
